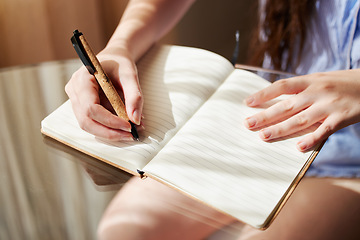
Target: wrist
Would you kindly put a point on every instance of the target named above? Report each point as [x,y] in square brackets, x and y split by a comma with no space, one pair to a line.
[116,48]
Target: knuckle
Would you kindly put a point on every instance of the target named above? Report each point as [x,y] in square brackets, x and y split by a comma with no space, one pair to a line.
[328,130]
[259,95]
[336,99]
[111,136]
[67,89]
[110,122]
[287,106]
[279,132]
[76,76]
[301,121]
[139,97]
[84,124]
[107,122]
[261,118]
[282,84]
[326,86]
[69,86]
[318,75]
[90,111]
[346,111]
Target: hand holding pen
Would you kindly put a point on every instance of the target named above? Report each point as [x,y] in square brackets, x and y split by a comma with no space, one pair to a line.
[88,101]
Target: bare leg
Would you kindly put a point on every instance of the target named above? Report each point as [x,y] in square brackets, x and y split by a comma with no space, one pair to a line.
[146,209]
[318,209]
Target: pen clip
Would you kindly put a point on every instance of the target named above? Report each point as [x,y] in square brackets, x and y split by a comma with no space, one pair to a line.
[79,48]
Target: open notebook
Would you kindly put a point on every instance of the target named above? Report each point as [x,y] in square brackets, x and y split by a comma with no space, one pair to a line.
[195,140]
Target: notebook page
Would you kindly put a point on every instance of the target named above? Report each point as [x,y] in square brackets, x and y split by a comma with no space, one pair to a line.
[174,84]
[217,160]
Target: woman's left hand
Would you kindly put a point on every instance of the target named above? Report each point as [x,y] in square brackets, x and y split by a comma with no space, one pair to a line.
[330,99]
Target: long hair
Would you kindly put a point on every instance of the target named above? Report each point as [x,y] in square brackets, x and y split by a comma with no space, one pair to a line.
[283,30]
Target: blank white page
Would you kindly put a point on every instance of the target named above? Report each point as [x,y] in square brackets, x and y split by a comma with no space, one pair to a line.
[175,82]
[218,161]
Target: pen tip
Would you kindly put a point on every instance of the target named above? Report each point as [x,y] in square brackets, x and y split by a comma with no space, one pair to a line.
[134,131]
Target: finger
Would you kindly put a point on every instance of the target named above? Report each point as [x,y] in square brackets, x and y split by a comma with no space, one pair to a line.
[327,128]
[297,123]
[278,112]
[82,88]
[278,88]
[104,132]
[93,127]
[132,93]
[101,115]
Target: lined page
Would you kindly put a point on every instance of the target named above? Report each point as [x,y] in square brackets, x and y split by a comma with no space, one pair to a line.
[217,160]
[175,82]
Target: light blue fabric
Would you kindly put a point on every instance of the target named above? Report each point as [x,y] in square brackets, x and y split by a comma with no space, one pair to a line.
[333,43]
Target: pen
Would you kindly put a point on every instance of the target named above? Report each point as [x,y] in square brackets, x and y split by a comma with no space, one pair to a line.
[92,64]
[236,49]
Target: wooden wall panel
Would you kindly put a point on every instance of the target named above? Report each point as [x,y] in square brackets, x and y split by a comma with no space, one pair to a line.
[33,31]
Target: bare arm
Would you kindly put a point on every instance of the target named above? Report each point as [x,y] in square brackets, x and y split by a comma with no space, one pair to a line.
[145,22]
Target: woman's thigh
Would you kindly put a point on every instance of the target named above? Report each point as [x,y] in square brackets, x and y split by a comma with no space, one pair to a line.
[320,208]
[146,209]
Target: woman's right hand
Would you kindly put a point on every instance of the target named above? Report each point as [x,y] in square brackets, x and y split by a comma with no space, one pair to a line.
[91,108]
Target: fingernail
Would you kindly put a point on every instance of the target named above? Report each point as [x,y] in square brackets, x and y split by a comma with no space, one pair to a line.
[250,122]
[302,146]
[129,139]
[136,117]
[249,101]
[265,134]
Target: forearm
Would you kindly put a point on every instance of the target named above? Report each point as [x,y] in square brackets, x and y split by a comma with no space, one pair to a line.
[144,22]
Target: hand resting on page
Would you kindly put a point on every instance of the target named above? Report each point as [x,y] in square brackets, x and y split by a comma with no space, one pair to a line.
[331,99]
